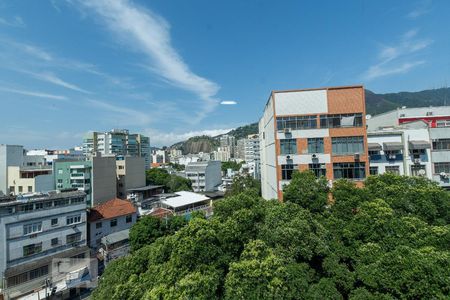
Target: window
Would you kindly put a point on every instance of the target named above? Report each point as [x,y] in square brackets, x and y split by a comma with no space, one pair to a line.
[60,171]
[315,145]
[98,225]
[296,122]
[30,189]
[39,206]
[443,123]
[55,242]
[121,167]
[347,145]
[287,170]
[60,181]
[32,228]
[129,218]
[55,222]
[441,144]
[442,167]
[73,220]
[393,169]
[32,249]
[373,170]
[341,120]
[30,275]
[113,223]
[11,189]
[20,189]
[418,170]
[349,170]
[73,238]
[288,146]
[318,169]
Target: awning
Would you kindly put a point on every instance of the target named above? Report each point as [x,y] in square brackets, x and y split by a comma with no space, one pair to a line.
[392,146]
[116,237]
[374,147]
[415,145]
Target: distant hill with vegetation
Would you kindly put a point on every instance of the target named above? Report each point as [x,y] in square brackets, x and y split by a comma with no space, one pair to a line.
[375,104]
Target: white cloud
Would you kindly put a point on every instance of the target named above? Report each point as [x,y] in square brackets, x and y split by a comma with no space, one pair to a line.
[52,78]
[15,22]
[149,33]
[37,52]
[121,115]
[34,94]
[159,138]
[422,8]
[399,58]
[228,102]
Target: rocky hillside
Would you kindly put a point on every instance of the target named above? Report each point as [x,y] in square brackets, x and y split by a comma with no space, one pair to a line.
[197,144]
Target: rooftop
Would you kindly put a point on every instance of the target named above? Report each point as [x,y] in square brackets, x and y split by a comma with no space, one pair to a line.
[116,237]
[184,198]
[34,197]
[145,188]
[111,209]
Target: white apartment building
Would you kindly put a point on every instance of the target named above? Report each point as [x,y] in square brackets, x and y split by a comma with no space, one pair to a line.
[35,230]
[222,153]
[405,150]
[251,157]
[436,120]
[206,176]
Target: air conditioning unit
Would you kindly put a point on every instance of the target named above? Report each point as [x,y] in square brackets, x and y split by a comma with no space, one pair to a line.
[443,175]
[392,156]
[356,156]
[417,161]
[287,130]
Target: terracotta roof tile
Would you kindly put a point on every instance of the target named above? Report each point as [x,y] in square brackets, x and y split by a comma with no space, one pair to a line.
[111,209]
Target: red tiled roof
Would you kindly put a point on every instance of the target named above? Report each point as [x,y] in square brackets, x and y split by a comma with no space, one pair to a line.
[111,209]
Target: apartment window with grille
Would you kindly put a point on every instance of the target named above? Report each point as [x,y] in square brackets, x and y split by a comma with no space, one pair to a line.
[55,241]
[393,169]
[296,122]
[418,170]
[349,170]
[73,238]
[373,170]
[54,222]
[288,146]
[442,167]
[315,145]
[441,144]
[287,170]
[341,120]
[129,219]
[98,225]
[318,169]
[347,145]
[32,228]
[30,189]
[73,220]
[26,276]
[32,249]
[113,223]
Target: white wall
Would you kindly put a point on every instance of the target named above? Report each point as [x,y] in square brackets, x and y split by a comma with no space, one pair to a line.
[301,103]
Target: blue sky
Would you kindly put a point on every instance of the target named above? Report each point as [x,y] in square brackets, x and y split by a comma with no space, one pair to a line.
[163,68]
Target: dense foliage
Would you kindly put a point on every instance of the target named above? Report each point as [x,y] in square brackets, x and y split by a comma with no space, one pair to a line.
[235,166]
[388,240]
[244,183]
[171,182]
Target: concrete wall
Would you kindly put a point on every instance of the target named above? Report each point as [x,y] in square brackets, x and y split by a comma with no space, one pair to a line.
[95,234]
[103,180]
[213,175]
[10,155]
[130,174]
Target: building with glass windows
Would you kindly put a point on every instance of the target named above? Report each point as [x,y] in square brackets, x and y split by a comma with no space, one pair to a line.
[118,142]
[411,141]
[36,231]
[322,130]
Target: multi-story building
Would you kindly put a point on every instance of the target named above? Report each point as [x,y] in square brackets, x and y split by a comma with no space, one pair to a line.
[130,174]
[229,142]
[117,142]
[35,231]
[160,156]
[95,175]
[222,154]
[50,155]
[322,130]
[434,127]
[10,155]
[111,216]
[240,149]
[206,176]
[251,156]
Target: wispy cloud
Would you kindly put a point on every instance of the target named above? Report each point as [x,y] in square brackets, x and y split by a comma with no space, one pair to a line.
[421,8]
[120,114]
[14,22]
[34,94]
[160,138]
[52,78]
[228,102]
[399,58]
[150,35]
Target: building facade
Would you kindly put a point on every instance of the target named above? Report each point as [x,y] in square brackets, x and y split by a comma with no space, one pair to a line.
[251,156]
[118,142]
[36,230]
[322,130]
[130,174]
[206,176]
[95,175]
